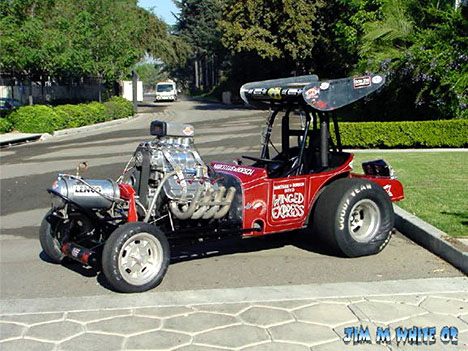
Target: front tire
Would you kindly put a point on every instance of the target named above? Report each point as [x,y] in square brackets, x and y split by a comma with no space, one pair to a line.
[135,257]
[49,242]
[354,216]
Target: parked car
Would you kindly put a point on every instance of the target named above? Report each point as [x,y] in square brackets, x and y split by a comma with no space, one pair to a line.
[8,104]
[167,196]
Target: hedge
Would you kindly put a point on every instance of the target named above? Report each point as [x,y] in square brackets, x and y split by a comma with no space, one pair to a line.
[46,119]
[441,133]
[424,134]
[36,119]
[5,125]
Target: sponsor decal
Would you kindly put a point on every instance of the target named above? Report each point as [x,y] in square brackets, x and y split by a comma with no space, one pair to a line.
[288,201]
[257,205]
[81,189]
[324,85]
[321,104]
[294,91]
[377,79]
[188,131]
[232,168]
[388,189]
[313,93]
[362,82]
[275,93]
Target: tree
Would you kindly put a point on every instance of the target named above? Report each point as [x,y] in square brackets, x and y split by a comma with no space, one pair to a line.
[150,73]
[389,37]
[277,29]
[63,38]
[197,26]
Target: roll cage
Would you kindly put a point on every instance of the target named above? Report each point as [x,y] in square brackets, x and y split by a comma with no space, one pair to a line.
[316,101]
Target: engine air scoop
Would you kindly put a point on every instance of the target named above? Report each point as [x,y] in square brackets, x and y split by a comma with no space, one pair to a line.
[162,129]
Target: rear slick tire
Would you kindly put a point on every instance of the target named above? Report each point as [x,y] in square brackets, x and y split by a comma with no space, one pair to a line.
[135,257]
[354,217]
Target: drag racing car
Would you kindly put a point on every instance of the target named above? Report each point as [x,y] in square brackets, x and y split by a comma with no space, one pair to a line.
[167,196]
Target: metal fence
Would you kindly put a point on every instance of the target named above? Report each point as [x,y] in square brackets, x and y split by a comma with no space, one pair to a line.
[53,92]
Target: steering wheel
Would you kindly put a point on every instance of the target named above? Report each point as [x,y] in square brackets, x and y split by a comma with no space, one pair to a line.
[263,160]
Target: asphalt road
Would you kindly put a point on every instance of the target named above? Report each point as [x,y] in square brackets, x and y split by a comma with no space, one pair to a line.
[221,134]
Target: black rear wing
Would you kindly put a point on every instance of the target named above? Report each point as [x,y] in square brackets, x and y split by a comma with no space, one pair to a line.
[302,91]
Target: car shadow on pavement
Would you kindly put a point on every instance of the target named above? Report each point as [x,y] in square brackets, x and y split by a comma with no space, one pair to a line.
[85,271]
[238,245]
[218,248]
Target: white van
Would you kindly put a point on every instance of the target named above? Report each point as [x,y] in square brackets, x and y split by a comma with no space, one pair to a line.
[166,91]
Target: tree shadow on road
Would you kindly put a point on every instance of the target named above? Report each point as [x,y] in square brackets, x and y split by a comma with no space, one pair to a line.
[462,215]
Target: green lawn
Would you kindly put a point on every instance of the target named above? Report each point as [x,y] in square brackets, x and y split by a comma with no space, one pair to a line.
[435,183]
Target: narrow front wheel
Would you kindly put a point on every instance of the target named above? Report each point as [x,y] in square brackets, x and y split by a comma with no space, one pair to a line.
[48,237]
[135,257]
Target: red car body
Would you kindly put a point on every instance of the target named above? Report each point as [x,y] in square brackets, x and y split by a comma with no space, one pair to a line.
[284,204]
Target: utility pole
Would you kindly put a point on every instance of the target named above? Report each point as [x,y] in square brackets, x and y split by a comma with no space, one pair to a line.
[135,89]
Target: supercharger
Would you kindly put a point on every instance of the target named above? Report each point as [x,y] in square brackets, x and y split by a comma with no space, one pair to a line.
[171,164]
[167,174]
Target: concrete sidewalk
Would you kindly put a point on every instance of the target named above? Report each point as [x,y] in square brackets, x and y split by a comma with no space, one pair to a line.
[286,318]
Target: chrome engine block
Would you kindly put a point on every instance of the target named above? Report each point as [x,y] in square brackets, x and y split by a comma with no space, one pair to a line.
[177,170]
[167,174]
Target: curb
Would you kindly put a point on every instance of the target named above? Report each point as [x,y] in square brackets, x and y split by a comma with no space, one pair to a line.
[92,126]
[237,295]
[432,239]
[24,138]
[62,132]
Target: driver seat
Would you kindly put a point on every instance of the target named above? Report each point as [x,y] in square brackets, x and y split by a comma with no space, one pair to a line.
[311,159]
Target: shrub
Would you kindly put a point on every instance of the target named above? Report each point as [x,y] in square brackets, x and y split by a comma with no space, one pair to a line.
[113,110]
[36,119]
[442,133]
[73,115]
[5,125]
[45,119]
[98,111]
[118,107]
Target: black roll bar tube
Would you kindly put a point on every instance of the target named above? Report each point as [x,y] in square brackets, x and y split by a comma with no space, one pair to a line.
[337,132]
[303,144]
[285,131]
[265,151]
[323,141]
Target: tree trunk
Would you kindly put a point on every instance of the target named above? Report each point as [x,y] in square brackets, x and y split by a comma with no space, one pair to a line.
[206,75]
[197,85]
[202,76]
[213,69]
[99,90]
